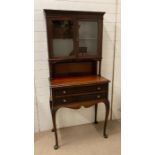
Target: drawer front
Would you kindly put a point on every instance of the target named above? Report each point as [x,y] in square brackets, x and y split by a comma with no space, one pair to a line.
[79,89]
[80,98]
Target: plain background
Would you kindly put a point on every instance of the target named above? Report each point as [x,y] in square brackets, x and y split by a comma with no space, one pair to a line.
[17,86]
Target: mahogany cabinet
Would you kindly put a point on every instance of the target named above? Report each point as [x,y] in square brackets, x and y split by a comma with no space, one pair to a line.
[75,54]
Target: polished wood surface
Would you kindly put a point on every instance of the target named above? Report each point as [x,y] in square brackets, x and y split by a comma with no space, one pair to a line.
[78,105]
[66,69]
[83,89]
[75,76]
[68,81]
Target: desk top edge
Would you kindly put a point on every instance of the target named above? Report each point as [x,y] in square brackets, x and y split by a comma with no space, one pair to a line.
[75,81]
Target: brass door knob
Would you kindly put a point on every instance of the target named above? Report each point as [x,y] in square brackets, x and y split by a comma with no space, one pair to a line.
[98,96]
[64,100]
[98,88]
[64,91]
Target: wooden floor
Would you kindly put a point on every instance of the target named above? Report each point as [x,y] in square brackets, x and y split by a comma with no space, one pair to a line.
[81,140]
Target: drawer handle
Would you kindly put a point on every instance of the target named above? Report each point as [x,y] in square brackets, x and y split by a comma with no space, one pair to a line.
[98,88]
[64,100]
[64,91]
[98,96]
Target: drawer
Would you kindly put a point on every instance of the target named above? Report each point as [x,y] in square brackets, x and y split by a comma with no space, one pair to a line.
[80,98]
[79,89]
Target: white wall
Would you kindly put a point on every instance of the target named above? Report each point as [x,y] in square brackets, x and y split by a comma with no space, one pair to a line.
[68,117]
[117,67]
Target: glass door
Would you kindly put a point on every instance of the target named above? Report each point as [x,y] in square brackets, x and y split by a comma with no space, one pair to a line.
[87,38]
[63,38]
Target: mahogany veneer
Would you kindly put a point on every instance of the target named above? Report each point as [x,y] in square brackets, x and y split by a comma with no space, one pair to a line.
[75,53]
[78,80]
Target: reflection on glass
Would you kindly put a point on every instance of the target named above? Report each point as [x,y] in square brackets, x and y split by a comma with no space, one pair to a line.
[62,47]
[88,38]
[62,38]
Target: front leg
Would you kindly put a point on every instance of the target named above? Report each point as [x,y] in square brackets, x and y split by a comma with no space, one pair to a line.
[107,106]
[96,106]
[56,146]
[52,130]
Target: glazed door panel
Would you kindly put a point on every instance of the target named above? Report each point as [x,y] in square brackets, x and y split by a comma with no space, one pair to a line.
[87,38]
[63,38]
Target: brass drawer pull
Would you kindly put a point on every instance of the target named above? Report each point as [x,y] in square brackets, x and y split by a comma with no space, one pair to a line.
[98,96]
[64,91]
[64,100]
[98,88]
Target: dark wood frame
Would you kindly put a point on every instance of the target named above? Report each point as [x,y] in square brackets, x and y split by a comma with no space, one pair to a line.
[95,69]
[74,16]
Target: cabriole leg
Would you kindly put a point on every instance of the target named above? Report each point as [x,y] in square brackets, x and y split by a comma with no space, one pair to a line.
[52,130]
[96,106]
[55,129]
[107,106]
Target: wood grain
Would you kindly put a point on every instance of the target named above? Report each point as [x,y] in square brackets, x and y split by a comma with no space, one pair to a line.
[75,80]
[68,81]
